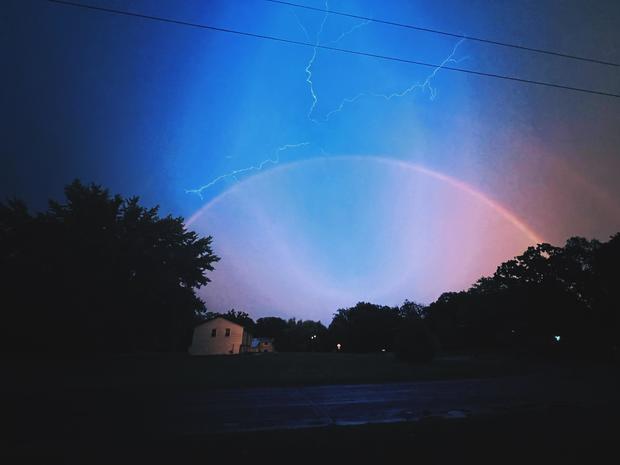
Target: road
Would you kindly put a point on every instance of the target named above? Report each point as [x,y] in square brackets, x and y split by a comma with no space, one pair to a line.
[230,410]
[154,424]
[73,415]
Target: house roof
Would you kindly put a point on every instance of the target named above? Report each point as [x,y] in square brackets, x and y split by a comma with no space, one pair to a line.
[219,318]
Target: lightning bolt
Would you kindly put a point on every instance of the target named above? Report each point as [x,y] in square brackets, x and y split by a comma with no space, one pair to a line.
[303,28]
[425,85]
[308,69]
[317,42]
[233,174]
[346,33]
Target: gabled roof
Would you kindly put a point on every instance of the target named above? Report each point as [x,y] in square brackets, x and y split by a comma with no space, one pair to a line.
[220,318]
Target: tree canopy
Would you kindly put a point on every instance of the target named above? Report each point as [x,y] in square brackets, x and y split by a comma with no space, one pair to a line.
[546,299]
[294,335]
[99,273]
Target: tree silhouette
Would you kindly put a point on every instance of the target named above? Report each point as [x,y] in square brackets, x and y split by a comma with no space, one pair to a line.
[365,328]
[546,300]
[605,292]
[295,335]
[275,328]
[99,273]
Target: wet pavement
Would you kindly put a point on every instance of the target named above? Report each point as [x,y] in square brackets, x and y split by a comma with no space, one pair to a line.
[230,410]
[155,411]
[103,425]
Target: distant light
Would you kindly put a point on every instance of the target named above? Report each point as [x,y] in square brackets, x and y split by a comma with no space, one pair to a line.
[338,346]
[382,350]
[557,338]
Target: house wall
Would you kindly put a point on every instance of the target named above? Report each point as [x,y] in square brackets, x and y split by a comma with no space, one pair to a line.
[204,344]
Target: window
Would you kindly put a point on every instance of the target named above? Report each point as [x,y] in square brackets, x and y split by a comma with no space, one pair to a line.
[214,332]
[227,334]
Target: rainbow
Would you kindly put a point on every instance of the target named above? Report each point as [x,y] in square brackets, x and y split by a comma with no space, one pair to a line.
[460,185]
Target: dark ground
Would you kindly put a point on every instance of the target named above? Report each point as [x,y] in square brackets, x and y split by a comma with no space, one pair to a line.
[257,370]
[560,412]
[553,435]
[556,435]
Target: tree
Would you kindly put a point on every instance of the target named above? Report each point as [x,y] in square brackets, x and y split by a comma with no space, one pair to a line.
[365,328]
[449,318]
[99,273]
[411,309]
[307,336]
[605,292]
[275,328]
[546,300]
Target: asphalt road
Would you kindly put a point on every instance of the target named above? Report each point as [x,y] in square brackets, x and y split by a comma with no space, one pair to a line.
[40,415]
[232,410]
[151,424]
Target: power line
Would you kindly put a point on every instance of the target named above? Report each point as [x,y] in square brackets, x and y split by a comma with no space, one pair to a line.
[334,49]
[449,34]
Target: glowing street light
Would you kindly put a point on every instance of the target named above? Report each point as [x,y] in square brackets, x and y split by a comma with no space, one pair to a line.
[338,346]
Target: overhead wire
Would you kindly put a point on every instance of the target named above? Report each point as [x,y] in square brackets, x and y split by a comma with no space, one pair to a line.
[334,49]
[446,33]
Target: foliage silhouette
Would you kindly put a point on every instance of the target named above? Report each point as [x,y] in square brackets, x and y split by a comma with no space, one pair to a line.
[365,327]
[548,300]
[294,335]
[368,327]
[99,273]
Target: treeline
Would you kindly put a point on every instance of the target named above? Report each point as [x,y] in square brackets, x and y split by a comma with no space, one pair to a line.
[98,273]
[290,335]
[547,300]
[365,327]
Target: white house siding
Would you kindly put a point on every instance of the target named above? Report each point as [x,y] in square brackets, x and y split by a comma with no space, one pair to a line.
[203,343]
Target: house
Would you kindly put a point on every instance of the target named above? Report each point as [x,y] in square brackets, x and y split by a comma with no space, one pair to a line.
[261,344]
[220,336]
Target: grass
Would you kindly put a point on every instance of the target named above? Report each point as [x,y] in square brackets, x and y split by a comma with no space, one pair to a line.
[276,369]
[288,369]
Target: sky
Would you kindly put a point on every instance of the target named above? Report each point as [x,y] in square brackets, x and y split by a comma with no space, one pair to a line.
[324,178]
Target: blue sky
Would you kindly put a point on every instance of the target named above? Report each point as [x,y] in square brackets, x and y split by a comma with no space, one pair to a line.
[155,110]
